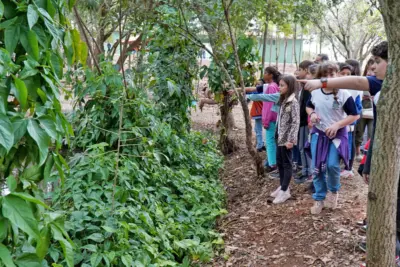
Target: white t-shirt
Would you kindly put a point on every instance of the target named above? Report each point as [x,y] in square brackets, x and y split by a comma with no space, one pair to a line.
[328,110]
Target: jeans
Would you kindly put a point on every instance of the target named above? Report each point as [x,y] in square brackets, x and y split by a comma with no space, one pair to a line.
[329,180]
[352,149]
[360,130]
[305,159]
[271,144]
[296,156]
[284,160]
[258,128]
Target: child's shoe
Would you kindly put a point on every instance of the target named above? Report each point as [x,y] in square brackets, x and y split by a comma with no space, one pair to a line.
[276,192]
[331,200]
[317,208]
[282,196]
[346,174]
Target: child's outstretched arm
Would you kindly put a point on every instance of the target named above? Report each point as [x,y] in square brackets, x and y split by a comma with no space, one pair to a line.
[265,97]
[358,83]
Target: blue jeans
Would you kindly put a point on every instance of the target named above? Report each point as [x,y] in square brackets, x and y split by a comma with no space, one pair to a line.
[271,144]
[305,159]
[258,128]
[329,180]
[296,156]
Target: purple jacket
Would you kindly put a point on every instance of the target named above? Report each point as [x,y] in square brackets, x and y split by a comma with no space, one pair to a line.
[323,144]
[267,114]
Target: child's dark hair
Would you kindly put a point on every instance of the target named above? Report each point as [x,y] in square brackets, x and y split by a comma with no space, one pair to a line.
[324,57]
[326,69]
[275,73]
[292,84]
[356,67]
[370,62]
[305,64]
[345,66]
[381,50]
[312,69]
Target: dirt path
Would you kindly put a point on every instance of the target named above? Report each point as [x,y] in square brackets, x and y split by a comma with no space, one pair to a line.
[259,233]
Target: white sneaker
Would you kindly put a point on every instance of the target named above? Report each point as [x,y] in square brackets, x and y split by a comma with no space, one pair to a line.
[331,200]
[282,196]
[276,192]
[346,174]
[317,208]
[359,157]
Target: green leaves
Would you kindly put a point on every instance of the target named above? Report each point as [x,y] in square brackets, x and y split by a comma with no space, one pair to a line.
[11,38]
[1,10]
[21,92]
[6,133]
[41,138]
[20,213]
[5,256]
[32,15]
[48,125]
[30,43]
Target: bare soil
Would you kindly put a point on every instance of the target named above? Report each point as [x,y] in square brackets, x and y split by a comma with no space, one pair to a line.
[259,233]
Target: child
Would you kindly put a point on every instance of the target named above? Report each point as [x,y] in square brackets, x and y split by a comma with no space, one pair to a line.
[304,97]
[256,114]
[327,109]
[286,133]
[364,122]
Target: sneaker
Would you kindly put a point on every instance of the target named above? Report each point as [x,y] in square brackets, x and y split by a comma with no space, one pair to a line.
[364,264]
[282,196]
[331,200]
[317,208]
[261,149]
[346,174]
[300,180]
[274,176]
[275,193]
[363,246]
[363,229]
[359,158]
[270,169]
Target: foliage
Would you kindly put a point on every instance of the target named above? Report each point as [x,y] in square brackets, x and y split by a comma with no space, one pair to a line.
[167,194]
[247,56]
[32,124]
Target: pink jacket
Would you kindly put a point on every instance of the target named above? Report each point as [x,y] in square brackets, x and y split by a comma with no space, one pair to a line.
[267,114]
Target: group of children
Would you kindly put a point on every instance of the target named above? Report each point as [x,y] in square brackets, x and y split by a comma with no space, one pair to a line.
[319,112]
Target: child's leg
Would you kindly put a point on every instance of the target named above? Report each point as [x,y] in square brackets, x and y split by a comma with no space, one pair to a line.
[271,144]
[333,169]
[286,155]
[259,136]
[280,163]
[319,180]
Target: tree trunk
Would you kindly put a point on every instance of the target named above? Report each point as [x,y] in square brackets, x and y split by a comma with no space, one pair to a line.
[226,144]
[285,56]
[134,44]
[386,152]
[249,143]
[294,47]
[264,44]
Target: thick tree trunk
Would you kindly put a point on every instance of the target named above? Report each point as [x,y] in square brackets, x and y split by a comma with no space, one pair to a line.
[249,143]
[226,144]
[285,55]
[264,44]
[384,180]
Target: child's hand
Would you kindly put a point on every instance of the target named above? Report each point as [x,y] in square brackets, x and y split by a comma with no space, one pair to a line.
[314,118]
[332,130]
[289,145]
[311,85]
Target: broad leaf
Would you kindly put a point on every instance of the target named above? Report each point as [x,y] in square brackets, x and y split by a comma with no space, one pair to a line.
[20,214]
[43,243]
[5,256]
[56,63]
[127,260]
[11,37]
[1,10]
[48,167]
[41,138]
[32,173]
[33,42]
[21,92]
[3,229]
[33,16]
[66,246]
[71,3]
[48,125]
[6,133]
[28,260]
[11,183]
[19,126]
[30,198]
[95,259]
[97,237]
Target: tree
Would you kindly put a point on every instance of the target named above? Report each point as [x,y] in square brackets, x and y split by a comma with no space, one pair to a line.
[351,26]
[385,162]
